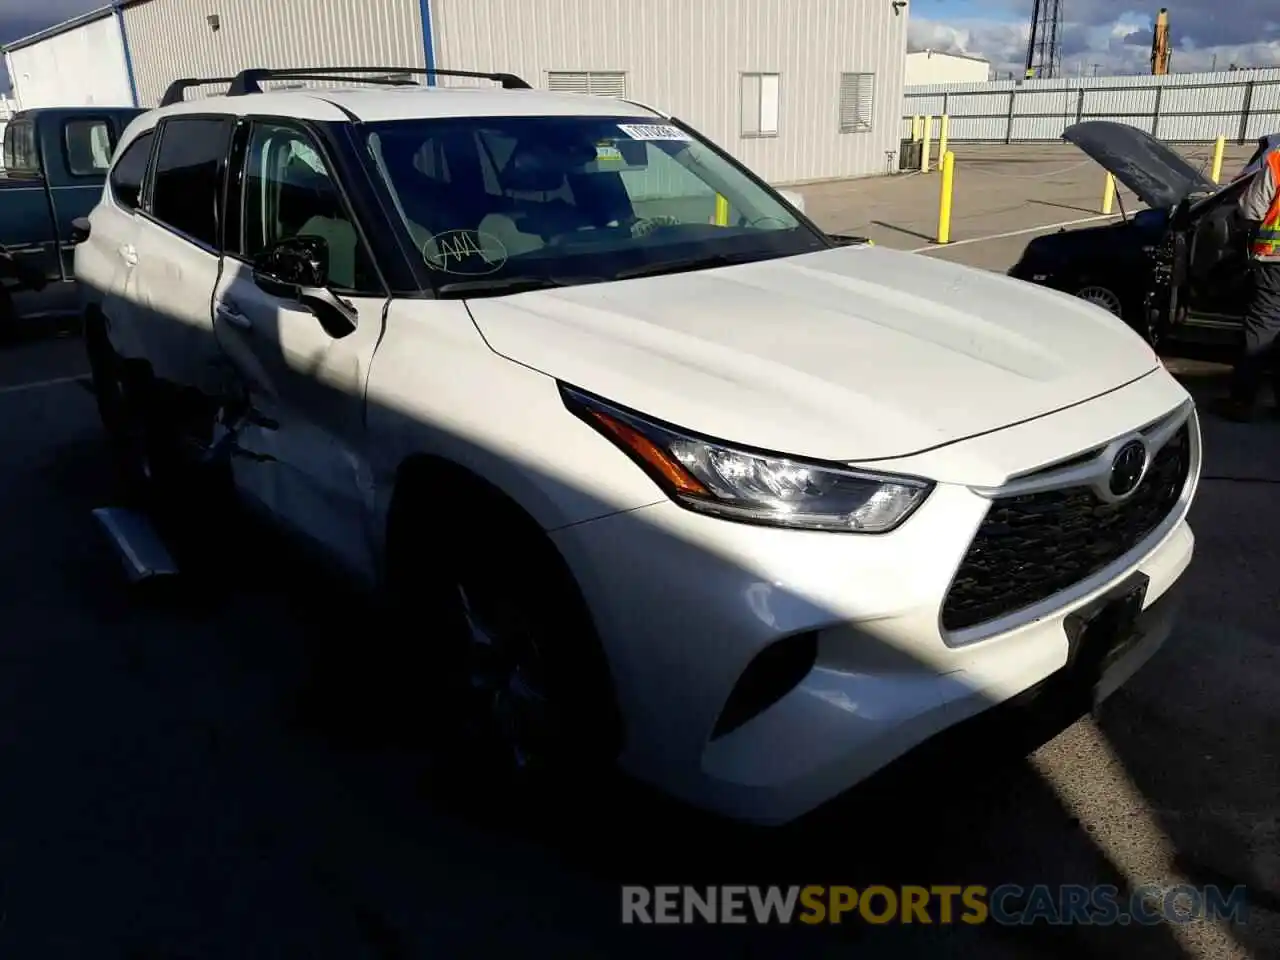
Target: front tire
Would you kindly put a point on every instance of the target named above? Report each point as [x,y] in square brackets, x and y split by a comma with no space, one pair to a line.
[1143,321]
[523,696]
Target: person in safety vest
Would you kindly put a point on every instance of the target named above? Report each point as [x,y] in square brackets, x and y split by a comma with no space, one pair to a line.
[1260,206]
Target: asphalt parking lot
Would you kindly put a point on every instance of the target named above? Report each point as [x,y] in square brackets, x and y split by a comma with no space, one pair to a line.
[230,777]
[1003,196]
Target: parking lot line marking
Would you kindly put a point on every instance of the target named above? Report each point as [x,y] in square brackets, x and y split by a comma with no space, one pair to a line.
[39,384]
[1016,233]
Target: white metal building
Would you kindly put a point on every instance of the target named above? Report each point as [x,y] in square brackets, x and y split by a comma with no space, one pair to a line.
[931,66]
[7,108]
[799,89]
[78,63]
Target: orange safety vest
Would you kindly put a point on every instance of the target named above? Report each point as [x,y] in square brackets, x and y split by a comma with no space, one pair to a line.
[1267,241]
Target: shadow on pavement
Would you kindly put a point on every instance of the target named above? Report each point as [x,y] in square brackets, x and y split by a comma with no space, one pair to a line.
[1064,206]
[903,230]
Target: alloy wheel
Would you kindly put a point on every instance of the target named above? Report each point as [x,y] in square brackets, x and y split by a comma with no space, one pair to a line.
[506,684]
[1102,297]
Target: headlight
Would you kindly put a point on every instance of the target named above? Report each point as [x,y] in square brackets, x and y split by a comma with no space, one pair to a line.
[711,477]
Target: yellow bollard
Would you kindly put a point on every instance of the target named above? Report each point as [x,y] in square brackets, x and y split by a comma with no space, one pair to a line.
[1108,194]
[925,159]
[944,125]
[722,211]
[915,129]
[944,200]
[1218,149]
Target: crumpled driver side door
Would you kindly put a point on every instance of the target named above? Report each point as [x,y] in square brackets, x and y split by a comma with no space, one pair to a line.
[299,447]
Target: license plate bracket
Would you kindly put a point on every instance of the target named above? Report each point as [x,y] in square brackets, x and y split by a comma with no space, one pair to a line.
[1103,631]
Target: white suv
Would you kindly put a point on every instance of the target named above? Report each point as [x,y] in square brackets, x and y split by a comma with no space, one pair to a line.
[660,472]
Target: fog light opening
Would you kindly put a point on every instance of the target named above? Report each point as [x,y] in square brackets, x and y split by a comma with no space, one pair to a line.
[771,675]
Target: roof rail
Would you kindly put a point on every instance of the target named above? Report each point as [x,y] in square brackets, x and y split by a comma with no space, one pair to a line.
[176,91]
[250,81]
[645,106]
[384,80]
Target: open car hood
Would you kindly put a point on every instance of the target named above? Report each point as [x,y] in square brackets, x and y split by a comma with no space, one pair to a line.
[1158,175]
[1265,145]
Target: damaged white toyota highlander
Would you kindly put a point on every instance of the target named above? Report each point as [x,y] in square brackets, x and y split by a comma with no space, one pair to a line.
[659,473]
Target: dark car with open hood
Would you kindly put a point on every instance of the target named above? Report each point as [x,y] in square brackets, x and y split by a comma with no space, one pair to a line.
[1177,268]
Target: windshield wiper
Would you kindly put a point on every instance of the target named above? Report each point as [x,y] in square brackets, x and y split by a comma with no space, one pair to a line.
[501,286]
[685,266]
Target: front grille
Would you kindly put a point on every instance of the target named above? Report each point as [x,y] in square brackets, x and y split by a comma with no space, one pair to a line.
[1033,546]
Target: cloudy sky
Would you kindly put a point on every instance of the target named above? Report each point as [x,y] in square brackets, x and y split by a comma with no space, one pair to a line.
[1115,34]
[21,17]
[1103,32]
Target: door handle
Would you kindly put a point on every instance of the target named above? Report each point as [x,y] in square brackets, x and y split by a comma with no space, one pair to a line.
[128,254]
[232,316]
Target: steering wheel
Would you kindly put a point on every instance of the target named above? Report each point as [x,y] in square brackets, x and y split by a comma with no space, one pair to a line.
[782,224]
[644,226]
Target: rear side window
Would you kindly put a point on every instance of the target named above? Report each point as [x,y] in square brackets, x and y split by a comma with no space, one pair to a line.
[88,144]
[187,189]
[126,177]
[20,154]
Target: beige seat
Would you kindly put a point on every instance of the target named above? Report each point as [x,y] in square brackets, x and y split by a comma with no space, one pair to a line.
[340,235]
[501,237]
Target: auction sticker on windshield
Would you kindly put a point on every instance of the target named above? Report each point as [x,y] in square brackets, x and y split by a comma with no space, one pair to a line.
[653,131]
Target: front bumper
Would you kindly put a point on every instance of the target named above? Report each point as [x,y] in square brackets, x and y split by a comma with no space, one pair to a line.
[699,598]
[1033,273]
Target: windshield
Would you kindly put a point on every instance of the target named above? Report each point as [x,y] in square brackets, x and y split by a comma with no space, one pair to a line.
[495,205]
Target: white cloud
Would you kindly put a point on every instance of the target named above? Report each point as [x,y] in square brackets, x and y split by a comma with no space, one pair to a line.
[1118,41]
[995,41]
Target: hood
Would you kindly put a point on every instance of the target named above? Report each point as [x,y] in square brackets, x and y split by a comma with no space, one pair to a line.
[856,353]
[1157,174]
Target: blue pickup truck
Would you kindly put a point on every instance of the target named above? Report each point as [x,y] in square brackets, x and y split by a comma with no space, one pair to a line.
[54,163]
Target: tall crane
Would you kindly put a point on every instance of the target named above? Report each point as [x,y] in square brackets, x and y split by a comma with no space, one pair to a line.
[1160,50]
[1044,52]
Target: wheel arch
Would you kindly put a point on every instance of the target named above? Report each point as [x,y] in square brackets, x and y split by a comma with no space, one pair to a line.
[418,473]
[95,325]
[423,478]
[101,348]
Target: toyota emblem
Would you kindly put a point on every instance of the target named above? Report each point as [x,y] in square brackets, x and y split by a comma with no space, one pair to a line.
[1128,468]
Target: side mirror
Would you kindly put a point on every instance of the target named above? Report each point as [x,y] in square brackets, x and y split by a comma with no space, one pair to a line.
[80,227]
[297,268]
[793,198]
[284,269]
